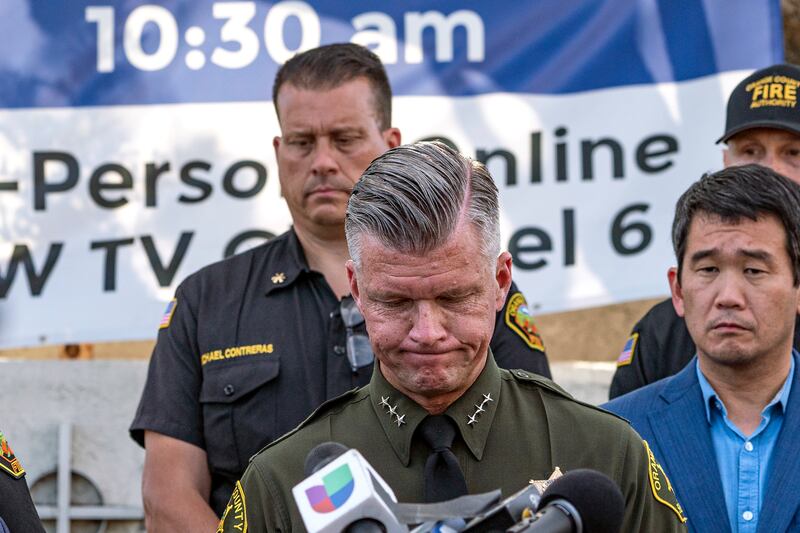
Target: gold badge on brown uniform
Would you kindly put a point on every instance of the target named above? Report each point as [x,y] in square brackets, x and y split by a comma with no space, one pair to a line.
[660,485]
[519,319]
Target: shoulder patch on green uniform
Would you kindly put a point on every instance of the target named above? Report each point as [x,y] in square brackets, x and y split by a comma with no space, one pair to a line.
[8,462]
[519,319]
[235,516]
[660,485]
[168,312]
[626,355]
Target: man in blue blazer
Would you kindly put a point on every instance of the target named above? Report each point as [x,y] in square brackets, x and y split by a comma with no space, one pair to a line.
[727,428]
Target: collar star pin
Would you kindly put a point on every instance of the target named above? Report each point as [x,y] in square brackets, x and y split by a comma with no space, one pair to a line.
[400,419]
[384,401]
[479,408]
[278,277]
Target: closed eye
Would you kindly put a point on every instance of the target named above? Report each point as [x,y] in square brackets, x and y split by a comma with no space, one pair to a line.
[707,269]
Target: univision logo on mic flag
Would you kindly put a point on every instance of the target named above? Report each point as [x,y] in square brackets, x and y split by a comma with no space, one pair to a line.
[336,488]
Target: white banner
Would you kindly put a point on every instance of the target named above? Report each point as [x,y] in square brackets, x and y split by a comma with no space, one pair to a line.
[135,139]
[127,201]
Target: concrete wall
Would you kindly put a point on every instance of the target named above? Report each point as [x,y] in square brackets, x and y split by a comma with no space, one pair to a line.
[99,399]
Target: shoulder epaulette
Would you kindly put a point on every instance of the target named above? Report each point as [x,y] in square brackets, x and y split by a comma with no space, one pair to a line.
[525,376]
[549,385]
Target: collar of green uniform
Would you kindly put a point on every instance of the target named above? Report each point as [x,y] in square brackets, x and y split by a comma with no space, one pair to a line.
[290,262]
[479,404]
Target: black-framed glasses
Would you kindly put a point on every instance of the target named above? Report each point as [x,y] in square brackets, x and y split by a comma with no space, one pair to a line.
[359,350]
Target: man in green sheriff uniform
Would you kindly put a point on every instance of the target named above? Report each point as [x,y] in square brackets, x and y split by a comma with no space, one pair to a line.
[428,276]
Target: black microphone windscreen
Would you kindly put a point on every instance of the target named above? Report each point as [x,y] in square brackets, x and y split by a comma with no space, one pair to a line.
[365,525]
[321,455]
[594,495]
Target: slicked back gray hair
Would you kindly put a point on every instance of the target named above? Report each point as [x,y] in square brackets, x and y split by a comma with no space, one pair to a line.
[413,197]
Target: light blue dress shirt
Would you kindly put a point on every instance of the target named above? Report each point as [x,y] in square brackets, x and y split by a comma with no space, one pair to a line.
[744,461]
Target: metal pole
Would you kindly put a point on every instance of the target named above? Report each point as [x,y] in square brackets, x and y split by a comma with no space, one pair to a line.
[64,476]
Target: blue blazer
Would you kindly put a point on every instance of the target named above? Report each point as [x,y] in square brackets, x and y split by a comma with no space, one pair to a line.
[669,414]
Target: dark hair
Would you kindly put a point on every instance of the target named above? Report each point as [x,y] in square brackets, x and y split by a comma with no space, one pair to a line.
[333,65]
[737,192]
[413,197]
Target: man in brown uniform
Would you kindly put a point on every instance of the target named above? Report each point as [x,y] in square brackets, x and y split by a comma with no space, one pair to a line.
[427,273]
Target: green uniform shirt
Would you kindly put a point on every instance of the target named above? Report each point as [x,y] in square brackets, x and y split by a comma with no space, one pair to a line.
[515,427]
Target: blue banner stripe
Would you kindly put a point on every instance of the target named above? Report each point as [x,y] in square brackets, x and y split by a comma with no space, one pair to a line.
[51,52]
[686,28]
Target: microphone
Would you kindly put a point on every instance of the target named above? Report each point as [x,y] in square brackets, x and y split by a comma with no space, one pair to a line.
[581,501]
[321,455]
[342,492]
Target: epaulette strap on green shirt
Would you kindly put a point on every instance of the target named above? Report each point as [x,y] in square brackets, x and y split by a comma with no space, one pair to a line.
[523,376]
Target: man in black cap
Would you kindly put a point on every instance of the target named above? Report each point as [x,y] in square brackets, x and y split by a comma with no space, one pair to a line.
[762,126]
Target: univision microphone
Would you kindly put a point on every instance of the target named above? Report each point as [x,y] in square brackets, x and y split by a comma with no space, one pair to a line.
[342,492]
[581,501]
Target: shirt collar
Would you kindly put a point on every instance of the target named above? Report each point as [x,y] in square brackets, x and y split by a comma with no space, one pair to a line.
[710,395]
[287,263]
[473,412]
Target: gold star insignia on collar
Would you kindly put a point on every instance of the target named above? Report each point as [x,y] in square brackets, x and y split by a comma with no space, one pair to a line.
[278,277]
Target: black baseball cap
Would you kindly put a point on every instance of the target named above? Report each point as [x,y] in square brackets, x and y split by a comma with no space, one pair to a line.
[767,98]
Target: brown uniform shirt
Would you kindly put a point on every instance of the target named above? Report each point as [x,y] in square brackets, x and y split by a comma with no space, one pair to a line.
[528,427]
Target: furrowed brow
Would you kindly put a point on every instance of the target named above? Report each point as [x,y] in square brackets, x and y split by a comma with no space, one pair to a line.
[761,255]
[702,254]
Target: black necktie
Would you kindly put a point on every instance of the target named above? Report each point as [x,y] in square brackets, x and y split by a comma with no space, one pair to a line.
[444,479]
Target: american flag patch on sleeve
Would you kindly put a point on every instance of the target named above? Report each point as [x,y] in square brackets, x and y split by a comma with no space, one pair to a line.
[626,356]
[167,318]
